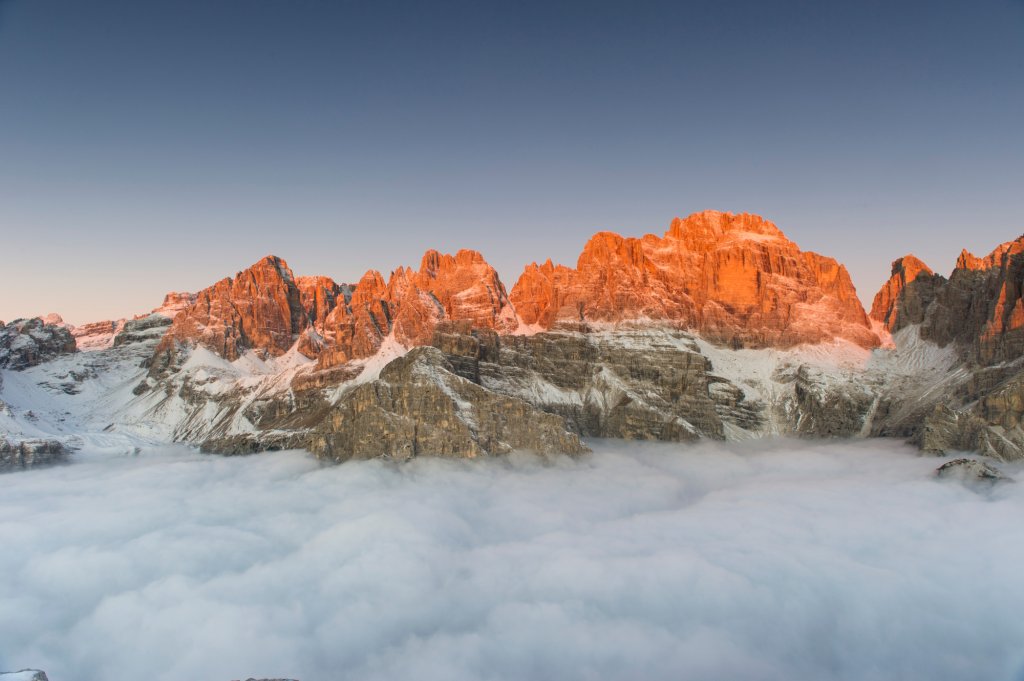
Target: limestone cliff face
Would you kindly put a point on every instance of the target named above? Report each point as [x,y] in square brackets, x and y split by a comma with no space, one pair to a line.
[174,302]
[411,304]
[979,308]
[637,387]
[267,309]
[476,392]
[467,289]
[1001,280]
[419,406]
[905,297]
[259,308]
[734,279]
[96,335]
[319,296]
[978,315]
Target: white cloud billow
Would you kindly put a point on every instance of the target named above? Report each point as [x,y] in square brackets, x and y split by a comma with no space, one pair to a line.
[779,561]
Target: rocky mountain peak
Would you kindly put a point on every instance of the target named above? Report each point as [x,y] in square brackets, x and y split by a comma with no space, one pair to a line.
[260,308]
[712,225]
[54,319]
[893,309]
[28,342]
[272,263]
[980,306]
[969,261]
[412,303]
[735,279]
[175,302]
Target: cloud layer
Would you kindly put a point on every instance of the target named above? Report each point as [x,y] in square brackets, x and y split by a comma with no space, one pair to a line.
[759,561]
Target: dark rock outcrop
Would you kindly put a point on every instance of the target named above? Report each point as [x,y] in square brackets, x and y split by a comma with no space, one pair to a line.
[971,471]
[821,410]
[24,675]
[603,386]
[419,406]
[142,329]
[31,453]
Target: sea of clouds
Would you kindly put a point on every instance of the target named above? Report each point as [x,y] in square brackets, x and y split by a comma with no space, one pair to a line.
[783,560]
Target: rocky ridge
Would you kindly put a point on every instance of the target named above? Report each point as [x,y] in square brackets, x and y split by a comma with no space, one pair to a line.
[732,279]
[27,342]
[721,329]
[978,315]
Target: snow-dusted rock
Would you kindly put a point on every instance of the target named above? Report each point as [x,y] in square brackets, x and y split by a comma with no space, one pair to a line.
[96,335]
[24,675]
[419,406]
[33,453]
[28,342]
[174,302]
[971,471]
[721,328]
[147,328]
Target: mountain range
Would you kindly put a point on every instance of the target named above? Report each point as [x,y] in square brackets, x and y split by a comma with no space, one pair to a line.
[720,328]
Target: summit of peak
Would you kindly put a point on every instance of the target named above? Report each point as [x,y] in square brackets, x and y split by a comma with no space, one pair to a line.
[910,265]
[734,278]
[715,225]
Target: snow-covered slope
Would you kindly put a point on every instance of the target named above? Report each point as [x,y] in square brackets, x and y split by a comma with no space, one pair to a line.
[627,381]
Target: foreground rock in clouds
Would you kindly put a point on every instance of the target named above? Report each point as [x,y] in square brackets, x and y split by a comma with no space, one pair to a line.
[24,675]
[419,406]
[30,453]
[971,471]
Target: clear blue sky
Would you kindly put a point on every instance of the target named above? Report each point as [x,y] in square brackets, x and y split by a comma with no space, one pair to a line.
[159,145]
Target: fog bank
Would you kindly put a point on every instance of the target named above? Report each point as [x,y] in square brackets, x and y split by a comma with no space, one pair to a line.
[785,560]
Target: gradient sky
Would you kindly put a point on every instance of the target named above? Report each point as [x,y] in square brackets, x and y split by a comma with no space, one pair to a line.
[161,145]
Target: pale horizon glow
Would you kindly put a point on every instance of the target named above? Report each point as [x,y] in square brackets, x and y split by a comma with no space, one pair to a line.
[161,146]
[117,305]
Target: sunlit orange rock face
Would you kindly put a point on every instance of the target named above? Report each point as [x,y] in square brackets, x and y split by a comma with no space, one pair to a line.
[175,302]
[980,306]
[735,279]
[894,310]
[412,303]
[261,307]
[318,296]
[266,308]
[1002,270]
